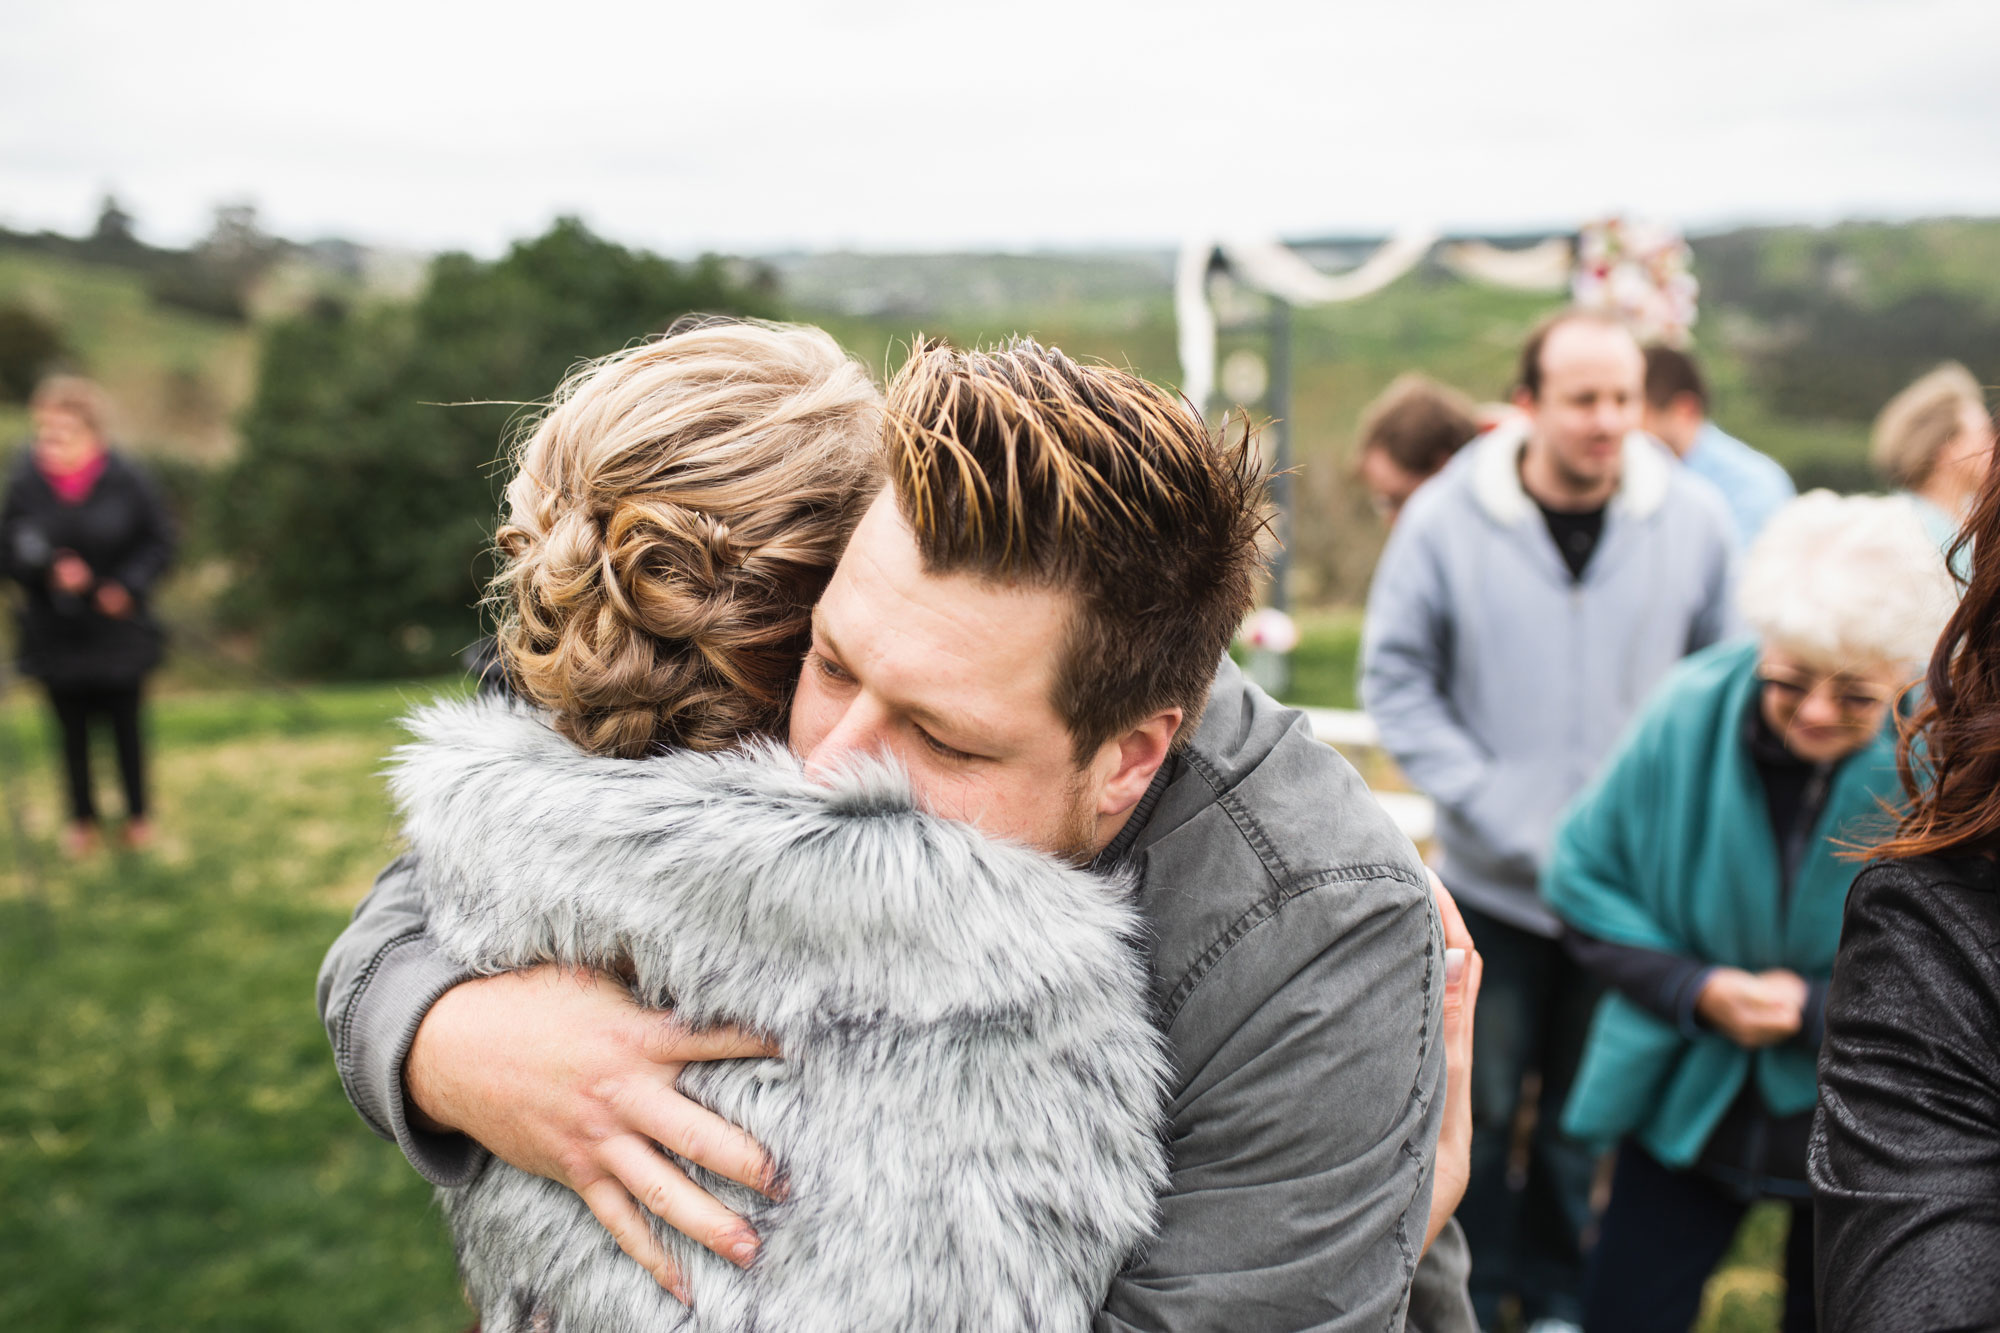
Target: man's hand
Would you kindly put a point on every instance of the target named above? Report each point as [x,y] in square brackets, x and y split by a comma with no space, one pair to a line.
[113,600]
[1463,968]
[559,1073]
[1753,1010]
[70,574]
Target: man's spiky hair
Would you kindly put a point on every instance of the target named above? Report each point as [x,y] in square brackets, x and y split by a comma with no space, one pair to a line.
[1017,464]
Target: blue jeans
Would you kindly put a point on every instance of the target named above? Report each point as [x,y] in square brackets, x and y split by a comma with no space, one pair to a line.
[1526,1234]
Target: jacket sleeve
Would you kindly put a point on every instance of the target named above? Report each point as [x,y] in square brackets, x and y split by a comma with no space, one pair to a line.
[378,981]
[153,548]
[1303,1137]
[1905,1160]
[1666,985]
[25,557]
[1406,653]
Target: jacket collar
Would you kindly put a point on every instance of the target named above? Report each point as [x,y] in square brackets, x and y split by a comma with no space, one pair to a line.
[1646,472]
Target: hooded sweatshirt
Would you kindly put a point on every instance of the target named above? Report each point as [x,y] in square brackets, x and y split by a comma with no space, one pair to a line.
[1499,681]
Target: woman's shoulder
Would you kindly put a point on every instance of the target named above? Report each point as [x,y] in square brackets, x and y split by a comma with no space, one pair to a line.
[1928,912]
[1696,705]
[121,466]
[1963,887]
[1712,670]
[510,818]
[21,465]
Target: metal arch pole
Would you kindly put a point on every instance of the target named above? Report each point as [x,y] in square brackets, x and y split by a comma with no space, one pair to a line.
[1279,400]
[1273,670]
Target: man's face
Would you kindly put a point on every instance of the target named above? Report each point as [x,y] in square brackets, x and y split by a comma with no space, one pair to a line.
[954,675]
[1593,377]
[1389,484]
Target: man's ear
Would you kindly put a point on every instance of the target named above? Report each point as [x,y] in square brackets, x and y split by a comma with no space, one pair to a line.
[1522,399]
[1133,759]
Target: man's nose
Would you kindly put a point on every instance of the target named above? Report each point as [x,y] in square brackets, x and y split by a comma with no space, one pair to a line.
[863,728]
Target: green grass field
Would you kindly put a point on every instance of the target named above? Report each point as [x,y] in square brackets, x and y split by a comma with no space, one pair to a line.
[175,1151]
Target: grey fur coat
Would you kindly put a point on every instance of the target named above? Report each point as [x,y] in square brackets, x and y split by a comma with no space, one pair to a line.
[968,1105]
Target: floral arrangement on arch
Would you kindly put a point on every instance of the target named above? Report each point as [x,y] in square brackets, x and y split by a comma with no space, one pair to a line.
[1642,272]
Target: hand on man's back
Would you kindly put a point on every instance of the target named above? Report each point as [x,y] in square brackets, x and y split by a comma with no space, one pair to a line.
[559,1073]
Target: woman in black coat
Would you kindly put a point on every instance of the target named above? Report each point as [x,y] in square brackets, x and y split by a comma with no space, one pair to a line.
[85,535]
[1905,1158]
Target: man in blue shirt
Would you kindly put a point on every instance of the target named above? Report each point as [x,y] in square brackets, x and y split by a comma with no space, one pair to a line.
[1677,415]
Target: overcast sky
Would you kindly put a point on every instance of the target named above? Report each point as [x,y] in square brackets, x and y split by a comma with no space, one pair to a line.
[758,126]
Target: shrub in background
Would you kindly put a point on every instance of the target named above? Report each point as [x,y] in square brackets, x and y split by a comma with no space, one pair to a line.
[31,346]
[358,516]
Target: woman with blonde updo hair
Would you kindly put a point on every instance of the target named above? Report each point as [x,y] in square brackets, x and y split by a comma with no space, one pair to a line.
[672,521]
[963,1121]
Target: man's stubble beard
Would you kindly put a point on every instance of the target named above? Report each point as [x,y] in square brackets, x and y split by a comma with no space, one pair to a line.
[1577,483]
[1076,838]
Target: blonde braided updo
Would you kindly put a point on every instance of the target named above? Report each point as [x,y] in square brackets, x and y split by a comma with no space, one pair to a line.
[672,519]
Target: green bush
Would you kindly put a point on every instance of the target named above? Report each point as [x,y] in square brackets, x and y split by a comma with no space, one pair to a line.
[31,346]
[359,513]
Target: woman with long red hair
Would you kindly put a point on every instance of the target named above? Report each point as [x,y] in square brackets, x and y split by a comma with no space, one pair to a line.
[1905,1158]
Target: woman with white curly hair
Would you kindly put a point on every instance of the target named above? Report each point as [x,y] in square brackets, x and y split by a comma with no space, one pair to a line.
[1702,876]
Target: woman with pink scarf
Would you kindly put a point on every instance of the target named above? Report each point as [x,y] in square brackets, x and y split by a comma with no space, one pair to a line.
[84,533]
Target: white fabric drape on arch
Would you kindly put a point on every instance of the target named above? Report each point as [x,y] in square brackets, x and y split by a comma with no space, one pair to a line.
[1270,266]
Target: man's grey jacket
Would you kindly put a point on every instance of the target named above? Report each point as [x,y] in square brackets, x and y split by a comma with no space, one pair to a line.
[1498,681]
[1296,968]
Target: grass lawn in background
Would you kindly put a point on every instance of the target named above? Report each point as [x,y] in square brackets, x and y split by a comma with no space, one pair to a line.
[1326,666]
[175,1151]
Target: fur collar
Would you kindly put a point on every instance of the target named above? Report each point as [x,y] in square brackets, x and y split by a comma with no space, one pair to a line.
[1646,473]
[969,1100]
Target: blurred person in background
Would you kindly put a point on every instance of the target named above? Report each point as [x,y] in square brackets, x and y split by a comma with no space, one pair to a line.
[1701,878]
[1905,1154]
[1676,415]
[1934,441]
[1408,433]
[1526,604]
[87,537]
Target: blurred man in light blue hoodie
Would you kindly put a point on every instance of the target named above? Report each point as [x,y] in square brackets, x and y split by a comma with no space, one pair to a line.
[1527,602]
[1754,485]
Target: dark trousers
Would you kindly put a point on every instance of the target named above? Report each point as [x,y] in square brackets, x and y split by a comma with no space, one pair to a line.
[74,707]
[1662,1235]
[1526,1234]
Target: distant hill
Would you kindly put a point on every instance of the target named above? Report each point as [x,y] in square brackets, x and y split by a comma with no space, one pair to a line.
[172,333]
[886,286]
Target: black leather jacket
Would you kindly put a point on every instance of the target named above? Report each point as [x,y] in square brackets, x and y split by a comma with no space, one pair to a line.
[1905,1158]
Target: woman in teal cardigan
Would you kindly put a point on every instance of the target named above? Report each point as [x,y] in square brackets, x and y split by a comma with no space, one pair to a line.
[1702,877]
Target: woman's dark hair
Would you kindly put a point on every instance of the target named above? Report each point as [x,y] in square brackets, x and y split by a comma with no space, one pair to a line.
[1949,757]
